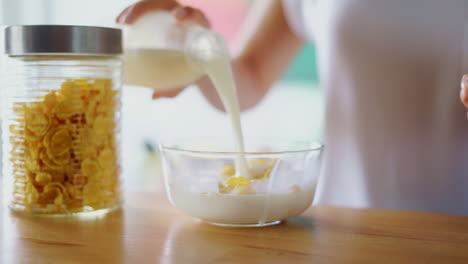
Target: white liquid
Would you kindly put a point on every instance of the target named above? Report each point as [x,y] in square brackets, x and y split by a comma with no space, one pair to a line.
[159,69]
[242,209]
[218,68]
[163,69]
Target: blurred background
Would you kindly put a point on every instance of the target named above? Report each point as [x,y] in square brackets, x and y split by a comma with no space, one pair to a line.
[292,110]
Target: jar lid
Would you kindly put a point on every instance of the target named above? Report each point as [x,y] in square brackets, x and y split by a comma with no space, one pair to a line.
[62,39]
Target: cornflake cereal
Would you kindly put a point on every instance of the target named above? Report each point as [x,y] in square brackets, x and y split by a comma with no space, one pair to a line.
[64,153]
[259,170]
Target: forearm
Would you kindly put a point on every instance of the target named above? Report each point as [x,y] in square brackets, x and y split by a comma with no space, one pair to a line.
[249,89]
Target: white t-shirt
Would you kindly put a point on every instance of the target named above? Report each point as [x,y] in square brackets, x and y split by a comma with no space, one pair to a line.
[396,134]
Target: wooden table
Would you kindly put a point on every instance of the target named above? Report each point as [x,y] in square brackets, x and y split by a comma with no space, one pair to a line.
[149,230]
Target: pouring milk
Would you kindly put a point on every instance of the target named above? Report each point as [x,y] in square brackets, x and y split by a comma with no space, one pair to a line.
[163,63]
[207,50]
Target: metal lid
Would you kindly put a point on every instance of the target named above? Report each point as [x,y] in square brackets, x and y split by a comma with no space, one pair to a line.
[62,39]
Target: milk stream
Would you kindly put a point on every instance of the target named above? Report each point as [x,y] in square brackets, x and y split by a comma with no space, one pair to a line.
[163,69]
[218,68]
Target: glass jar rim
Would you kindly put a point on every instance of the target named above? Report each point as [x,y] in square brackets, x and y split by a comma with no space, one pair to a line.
[310,146]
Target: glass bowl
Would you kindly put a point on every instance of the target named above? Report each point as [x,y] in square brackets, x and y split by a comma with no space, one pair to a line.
[201,180]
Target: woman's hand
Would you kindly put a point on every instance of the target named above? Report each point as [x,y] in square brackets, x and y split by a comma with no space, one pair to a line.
[182,13]
[464,91]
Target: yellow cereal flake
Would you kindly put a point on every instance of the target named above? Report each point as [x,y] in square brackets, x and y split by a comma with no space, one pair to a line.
[81,84]
[228,170]
[60,141]
[31,137]
[86,144]
[56,185]
[78,180]
[67,108]
[50,101]
[237,182]
[102,84]
[43,178]
[89,168]
[259,162]
[32,193]
[106,158]
[32,164]
[48,162]
[36,123]
[74,205]
[66,86]
[260,169]
[63,150]
[48,196]
[90,113]
[237,185]
[91,194]
[103,125]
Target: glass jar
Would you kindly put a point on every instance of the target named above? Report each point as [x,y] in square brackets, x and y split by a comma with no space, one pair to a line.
[61,111]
